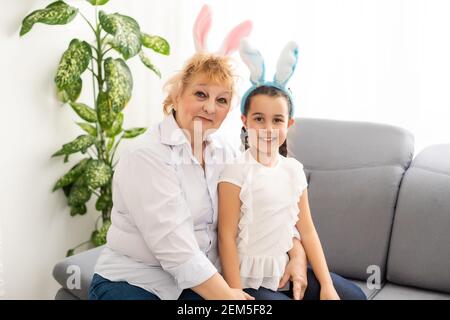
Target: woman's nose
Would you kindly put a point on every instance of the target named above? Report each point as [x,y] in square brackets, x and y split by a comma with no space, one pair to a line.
[209,107]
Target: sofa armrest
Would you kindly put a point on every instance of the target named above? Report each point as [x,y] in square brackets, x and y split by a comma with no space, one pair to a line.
[75,273]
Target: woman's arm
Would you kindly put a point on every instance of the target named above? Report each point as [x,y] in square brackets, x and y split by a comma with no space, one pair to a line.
[313,248]
[296,270]
[229,213]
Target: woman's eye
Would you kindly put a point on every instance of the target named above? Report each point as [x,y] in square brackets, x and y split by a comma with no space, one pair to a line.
[222,100]
[200,94]
[258,119]
[278,120]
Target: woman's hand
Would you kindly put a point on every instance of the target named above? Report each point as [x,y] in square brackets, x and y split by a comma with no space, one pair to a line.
[328,292]
[296,272]
[240,294]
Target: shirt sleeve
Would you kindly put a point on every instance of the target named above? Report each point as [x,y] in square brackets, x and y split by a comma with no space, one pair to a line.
[232,173]
[152,193]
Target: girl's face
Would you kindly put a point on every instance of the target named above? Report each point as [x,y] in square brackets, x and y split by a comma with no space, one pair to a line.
[202,107]
[267,122]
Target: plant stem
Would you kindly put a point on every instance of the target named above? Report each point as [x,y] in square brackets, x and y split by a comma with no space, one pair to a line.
[90,25]
[83,243]
[114,149]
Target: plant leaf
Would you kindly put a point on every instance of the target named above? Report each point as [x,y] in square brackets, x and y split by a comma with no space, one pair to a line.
[88,128]
[80,193]
[110,144]
[71,176]
[105,114]
[71,92]
[156,43]
[85,113]
[116,127]
[81,143]
[97,2]
[131,133]
[97,174]
[98,238]
[104,202]
[70,252]
[81,209]
[146,61]
[55,13]
[74,62]
[126,33]
[119,83]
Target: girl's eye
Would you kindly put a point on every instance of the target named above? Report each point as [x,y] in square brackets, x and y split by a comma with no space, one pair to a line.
[258,119]
[200,94]
[278,120]
[222,100]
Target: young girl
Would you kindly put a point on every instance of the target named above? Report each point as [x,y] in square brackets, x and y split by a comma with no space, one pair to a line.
[262,194]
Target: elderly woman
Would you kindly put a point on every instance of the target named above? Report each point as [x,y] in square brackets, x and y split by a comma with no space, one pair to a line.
[162,243]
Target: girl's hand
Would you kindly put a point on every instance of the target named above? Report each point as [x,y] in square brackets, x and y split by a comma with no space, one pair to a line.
[296,272]
[240,294]
[328,293]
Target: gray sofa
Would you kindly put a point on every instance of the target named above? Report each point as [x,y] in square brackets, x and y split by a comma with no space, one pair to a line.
[382,216]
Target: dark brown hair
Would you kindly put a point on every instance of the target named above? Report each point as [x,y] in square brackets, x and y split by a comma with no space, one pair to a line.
[271,92]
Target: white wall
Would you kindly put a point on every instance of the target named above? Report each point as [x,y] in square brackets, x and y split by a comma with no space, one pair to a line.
[371,60]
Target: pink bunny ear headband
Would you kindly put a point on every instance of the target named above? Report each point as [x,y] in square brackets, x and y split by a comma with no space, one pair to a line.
[231,42]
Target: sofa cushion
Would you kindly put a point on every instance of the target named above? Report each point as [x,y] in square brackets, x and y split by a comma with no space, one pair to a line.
[395,292]
[75,273]
[370,293]
[354,170]
[420,247]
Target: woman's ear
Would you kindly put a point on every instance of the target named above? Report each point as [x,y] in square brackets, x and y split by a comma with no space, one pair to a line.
[291,122]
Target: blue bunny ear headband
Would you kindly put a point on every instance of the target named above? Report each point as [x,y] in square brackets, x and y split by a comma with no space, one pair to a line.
[255,62]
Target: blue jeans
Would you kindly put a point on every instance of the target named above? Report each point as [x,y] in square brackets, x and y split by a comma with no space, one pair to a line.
[104,289]
[345,289]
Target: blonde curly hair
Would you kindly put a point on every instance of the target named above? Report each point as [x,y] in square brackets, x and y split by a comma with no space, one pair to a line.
[216,68]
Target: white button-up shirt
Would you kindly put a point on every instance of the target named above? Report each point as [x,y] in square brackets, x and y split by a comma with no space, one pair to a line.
[163,236]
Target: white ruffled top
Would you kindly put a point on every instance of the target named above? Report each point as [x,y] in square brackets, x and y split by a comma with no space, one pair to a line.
[269,211]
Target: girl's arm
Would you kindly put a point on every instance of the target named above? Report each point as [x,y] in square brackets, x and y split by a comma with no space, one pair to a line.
[229,213]
[313,248]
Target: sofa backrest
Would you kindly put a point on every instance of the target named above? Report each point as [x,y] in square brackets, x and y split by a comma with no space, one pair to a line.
[354,170]
[419,253]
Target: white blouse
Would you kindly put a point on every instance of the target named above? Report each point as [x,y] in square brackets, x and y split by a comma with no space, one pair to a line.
[269,211]
[163,236]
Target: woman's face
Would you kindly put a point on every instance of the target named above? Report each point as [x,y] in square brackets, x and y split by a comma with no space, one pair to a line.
[267,122]
[202,107]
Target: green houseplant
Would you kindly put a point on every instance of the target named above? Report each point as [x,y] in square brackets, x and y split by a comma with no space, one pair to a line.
[112,86]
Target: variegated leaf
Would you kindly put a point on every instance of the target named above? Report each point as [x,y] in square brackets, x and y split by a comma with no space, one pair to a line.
[81,143]
[85,113]
[116,128]
[74,62]
[156,43]
[146,61]
[97,174]
[80,193]
[71,92]
[119,83]
[55,13]
[72,175]
[104,202]
[126,33]
[131,133]
[74,210]
[98,238]
[105,114]
[97,2]
[88,128]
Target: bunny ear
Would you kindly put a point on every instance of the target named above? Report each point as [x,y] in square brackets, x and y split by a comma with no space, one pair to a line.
[231,42]
[201,28]
[286,63]
[253,59]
